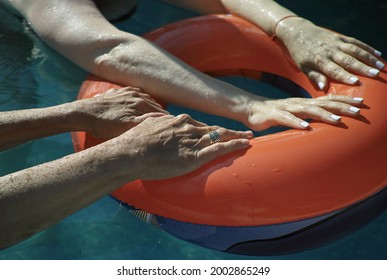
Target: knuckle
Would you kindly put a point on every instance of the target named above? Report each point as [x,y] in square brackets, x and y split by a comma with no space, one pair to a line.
[335,72]
[356,50]
[112,90]
[287,116]
[132,93]
[183,117]
[319,61]
[306,107]
[349,61]
[312,109]
[222,131]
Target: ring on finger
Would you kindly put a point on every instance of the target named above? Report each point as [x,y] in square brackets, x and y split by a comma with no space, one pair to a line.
[214,137]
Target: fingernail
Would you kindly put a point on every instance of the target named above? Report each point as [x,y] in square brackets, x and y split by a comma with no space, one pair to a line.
[353,79]
[358,99]
[354,109]
[321,85]
[378,53]
[373,71]
[250,134]
[379,65]
[245,142]
[335,117]
[305,124]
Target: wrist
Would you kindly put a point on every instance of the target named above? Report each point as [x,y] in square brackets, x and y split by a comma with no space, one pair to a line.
[53,120]
[278,22]
[124,157]
[250,108]
[288,27]
[79,118]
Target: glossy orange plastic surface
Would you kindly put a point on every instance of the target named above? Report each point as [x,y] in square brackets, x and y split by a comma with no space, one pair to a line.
[283,177]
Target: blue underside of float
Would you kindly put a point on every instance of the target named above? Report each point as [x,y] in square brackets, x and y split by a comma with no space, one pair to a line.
[280,238]
[222,238]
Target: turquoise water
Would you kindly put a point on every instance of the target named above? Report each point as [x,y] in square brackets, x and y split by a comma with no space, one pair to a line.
[33,76]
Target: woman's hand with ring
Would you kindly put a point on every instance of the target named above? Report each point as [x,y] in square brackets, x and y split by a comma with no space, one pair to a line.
[170,146]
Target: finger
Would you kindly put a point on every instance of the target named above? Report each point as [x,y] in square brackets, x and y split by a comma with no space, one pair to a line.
[341,109]
[288,119]
[220,149]
[317,113]
[356,101]
[187,119]
[355,66]
[140,119]
[109,92]
[325,110]
[131,88]
[316,77]
[362,55]
[360,44]
[223,135]
[336,72]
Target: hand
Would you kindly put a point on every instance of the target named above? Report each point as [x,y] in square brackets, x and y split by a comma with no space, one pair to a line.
[291,111]
[169,146]
[321,53]
[113,112]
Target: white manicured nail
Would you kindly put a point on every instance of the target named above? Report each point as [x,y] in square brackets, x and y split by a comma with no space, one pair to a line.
[373,71]
[379,65]
[321,85]
[353,79]
[378,53]
[305,124]
[354,109]
[335,117]
[358,99]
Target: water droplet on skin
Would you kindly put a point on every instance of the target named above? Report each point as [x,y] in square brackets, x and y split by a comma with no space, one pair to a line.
[235,175]
[253,165]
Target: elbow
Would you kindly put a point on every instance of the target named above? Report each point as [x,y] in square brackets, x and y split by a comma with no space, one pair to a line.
[126,62]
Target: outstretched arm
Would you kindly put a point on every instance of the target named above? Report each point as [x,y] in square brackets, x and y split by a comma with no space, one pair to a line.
[36,198]
[79,31]
[106,115]
[318,52]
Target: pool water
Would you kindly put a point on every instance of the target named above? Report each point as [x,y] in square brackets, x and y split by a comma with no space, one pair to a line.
[32,75]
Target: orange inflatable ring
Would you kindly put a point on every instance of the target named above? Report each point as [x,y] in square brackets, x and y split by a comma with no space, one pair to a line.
[291,190]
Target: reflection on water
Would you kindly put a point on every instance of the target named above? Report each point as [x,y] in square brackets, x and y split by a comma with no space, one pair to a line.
[31,75]
[17,81]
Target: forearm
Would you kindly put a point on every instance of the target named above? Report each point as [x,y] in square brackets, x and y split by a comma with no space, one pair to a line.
[162,75]
[20,126]
[123,58]
[33,199]
[263,13]
[36,198]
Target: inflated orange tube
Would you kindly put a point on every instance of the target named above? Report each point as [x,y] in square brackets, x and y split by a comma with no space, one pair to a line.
[284,177]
